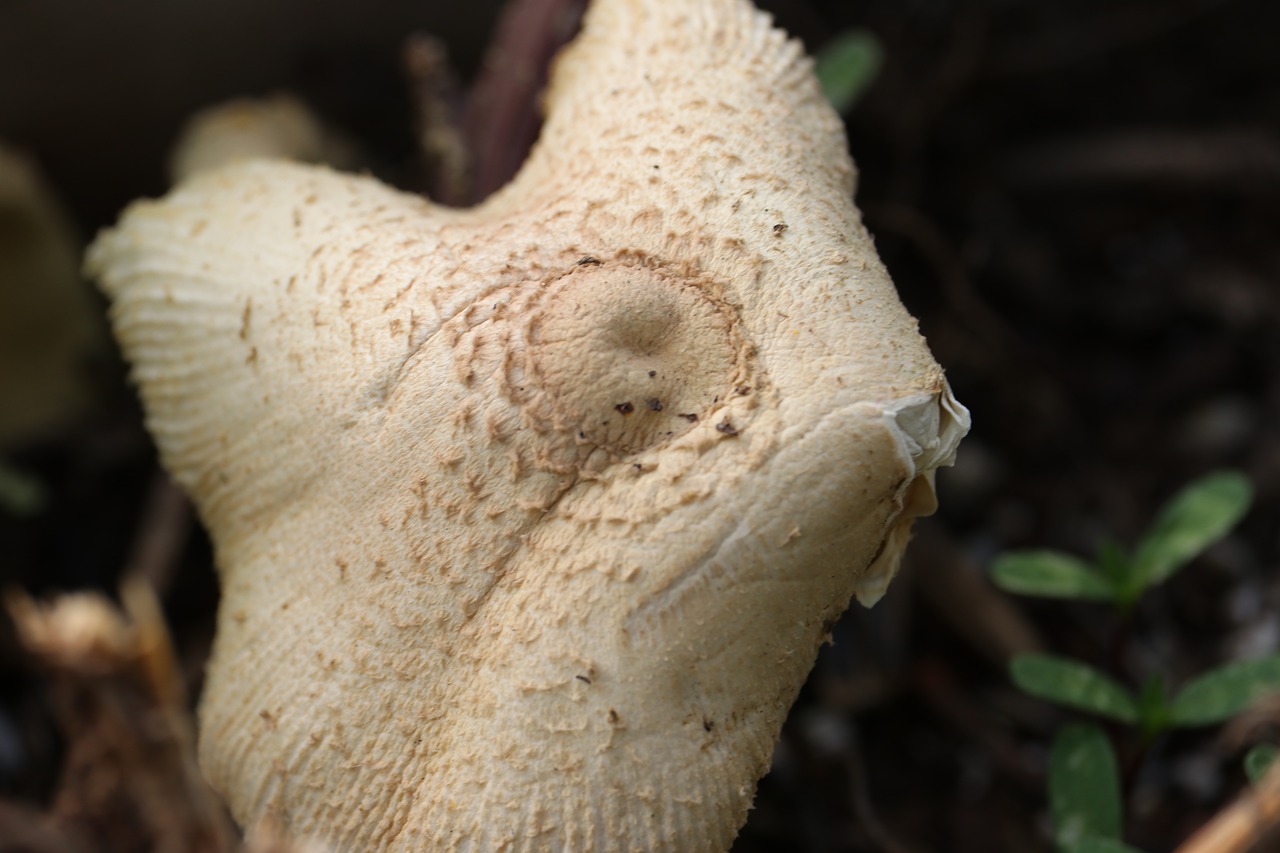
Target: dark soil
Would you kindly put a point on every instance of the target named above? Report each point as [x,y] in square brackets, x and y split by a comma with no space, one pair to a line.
[1079,199]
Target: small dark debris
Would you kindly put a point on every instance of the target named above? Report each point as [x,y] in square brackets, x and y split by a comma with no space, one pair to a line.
[613,716]
[587,259]
[654,404]
[742,390]
[707,725]
[727,428]
[625,408]
[779,228]
[689,416]
[581,434]
[583,679]
[652,373]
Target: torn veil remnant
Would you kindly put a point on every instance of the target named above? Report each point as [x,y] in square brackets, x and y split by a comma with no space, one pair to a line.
[469,602]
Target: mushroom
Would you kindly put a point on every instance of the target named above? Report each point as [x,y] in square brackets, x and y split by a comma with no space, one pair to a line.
[247,128]
[531,518]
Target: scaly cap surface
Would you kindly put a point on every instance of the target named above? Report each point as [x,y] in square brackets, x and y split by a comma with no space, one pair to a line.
[532,517]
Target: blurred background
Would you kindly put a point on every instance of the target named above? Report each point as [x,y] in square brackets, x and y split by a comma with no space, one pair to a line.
[1079,199]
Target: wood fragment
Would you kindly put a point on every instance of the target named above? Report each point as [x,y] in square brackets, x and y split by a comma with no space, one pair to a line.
[129,780]
[1251,823]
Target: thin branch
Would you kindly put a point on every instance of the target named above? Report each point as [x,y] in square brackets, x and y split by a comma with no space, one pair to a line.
[1249,823]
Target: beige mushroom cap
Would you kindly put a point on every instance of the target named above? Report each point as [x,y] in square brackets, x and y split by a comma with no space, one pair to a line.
[277,126]
[531,518]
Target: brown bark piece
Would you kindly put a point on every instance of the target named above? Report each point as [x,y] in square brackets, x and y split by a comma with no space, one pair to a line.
[503,111]
[129,780]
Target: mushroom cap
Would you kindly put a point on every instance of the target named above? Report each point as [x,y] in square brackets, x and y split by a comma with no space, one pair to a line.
[531,518]
[277,126]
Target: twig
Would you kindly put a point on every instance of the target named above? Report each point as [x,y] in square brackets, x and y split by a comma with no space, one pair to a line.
[1242,160]
[987,328]
[868,820]
[162,534]
[437,119]
[129,778]
[1247,824]
[932,682]
[501,120]
[962,595]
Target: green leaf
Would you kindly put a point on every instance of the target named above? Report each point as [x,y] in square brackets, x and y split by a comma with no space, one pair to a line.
[1113,563]
[1198,516]
[1153,708]
[1258,760]
[20,494]
[1074,684]
[846,65]
[1084,786]
[1100,845]
[1226,691]
[1051,574]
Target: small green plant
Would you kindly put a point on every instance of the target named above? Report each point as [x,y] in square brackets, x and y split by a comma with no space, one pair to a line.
[846,66]
[1198,516]
[20,494]
[1259,760]
[1084,779]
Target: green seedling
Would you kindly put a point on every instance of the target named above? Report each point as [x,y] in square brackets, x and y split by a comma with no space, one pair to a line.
[1198,516]
[20,493]
[1212,698]
[1084,787]
[1084,783]
[846,66]
[1259,760]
